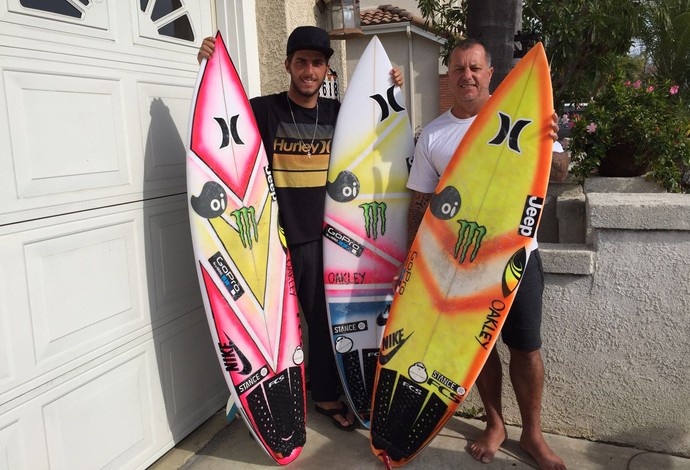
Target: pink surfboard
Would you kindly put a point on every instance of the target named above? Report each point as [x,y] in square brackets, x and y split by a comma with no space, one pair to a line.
[242,261]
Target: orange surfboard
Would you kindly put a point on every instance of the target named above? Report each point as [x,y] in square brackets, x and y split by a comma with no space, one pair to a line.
[465,264]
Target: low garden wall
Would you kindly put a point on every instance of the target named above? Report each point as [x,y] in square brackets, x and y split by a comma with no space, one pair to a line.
[616,322]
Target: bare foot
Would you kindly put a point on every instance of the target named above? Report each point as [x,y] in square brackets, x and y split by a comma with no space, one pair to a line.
[345,421]
[542,453]
[484,449]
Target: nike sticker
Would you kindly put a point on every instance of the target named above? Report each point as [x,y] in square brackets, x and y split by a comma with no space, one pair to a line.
[232,356]
[395,339]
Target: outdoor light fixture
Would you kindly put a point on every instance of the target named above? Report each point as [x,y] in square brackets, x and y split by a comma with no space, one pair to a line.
[343,17]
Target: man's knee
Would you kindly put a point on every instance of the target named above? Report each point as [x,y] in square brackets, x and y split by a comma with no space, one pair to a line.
[523,359]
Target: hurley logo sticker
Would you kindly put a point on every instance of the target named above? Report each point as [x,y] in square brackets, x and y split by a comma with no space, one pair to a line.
[387,104]
[510,131]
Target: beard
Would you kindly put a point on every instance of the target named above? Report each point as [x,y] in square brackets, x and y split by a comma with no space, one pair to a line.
[307,93]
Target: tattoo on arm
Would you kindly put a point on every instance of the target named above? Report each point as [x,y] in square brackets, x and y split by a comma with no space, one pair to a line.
[418,205]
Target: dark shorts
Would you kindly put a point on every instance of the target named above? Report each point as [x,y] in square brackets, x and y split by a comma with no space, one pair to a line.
[522,329]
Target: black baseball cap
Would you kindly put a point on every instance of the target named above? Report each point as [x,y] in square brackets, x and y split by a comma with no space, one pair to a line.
[309,38]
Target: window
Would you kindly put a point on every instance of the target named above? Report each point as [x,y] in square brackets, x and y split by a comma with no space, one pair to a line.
[177,26]
[61,7]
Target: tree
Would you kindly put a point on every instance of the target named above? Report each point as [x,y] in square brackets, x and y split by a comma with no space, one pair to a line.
[493,22]
[666,39]
[584,40]
[446,18]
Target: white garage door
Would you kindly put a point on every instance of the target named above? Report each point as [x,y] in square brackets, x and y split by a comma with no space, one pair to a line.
[105,355]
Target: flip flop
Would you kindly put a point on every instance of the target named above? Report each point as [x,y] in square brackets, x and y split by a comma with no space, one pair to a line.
[342,411]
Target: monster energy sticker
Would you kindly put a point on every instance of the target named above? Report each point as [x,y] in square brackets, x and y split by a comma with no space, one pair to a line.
[226,275]
[470,233]
[246,225]
[374,212]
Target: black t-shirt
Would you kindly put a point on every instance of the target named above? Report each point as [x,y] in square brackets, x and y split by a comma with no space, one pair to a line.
[299,178]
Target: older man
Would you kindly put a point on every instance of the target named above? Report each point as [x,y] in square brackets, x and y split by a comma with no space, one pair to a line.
[470,72]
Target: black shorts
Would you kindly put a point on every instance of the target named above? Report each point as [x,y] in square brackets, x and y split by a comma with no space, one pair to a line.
[522,329]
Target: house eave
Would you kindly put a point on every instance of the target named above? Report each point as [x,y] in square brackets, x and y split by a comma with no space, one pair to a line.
[401,28]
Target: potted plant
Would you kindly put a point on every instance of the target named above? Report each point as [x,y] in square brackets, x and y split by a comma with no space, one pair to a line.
[631,128]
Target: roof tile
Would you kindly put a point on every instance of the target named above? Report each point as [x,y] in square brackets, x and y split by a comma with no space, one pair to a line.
[389,14]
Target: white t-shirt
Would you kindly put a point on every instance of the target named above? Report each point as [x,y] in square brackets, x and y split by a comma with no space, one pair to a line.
[435,147]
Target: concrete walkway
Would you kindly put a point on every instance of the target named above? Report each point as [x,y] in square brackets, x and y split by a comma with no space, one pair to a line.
[218,445]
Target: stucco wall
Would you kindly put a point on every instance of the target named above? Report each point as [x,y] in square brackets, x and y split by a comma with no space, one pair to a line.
[275,20]
[616,343]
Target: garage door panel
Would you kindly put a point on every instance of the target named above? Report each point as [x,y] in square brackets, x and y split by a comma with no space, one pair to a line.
[175,288]
[84,288]
[78,142]
[12,446]
[68,132]
[95,424]
[17,361]
[74,290]
[187,359]
[6,349]
[164,111]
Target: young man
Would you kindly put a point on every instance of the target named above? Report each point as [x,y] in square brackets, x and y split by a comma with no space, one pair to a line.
[470,72]
[297,128]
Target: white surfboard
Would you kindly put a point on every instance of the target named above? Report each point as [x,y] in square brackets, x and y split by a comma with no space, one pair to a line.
[365,223]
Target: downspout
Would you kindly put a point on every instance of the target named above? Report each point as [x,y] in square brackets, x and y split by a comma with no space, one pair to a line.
[412,114]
